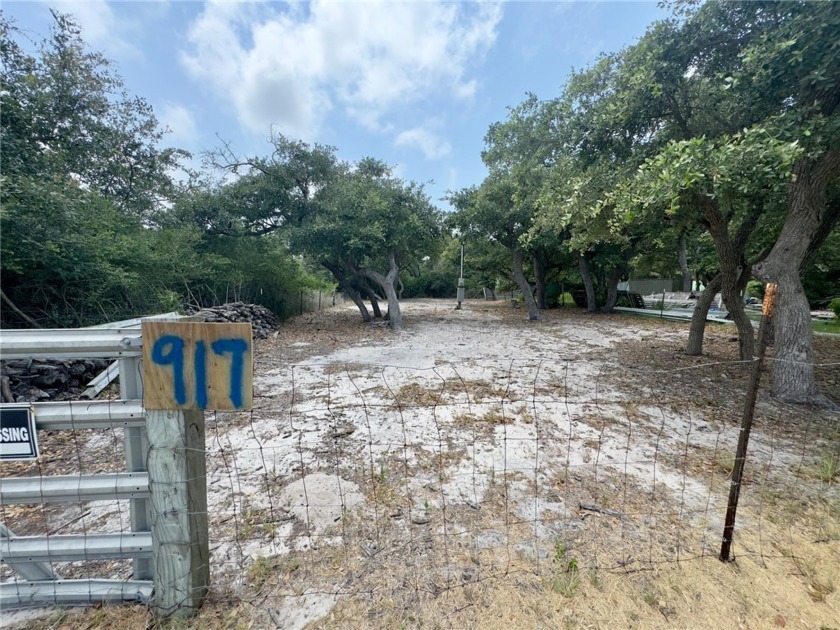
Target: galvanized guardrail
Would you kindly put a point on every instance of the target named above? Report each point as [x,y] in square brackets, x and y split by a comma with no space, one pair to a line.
[31,557]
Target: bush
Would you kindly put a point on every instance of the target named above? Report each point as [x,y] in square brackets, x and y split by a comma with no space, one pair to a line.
[755,289]
[834,305]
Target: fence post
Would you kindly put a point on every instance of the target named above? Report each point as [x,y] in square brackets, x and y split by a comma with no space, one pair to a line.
[136,446]
[178,488]
[746,423]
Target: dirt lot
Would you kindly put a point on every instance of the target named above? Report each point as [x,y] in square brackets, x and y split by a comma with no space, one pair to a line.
[479,470]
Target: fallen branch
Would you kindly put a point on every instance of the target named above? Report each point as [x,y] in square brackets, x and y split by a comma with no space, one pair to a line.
[17,311]
[599,510]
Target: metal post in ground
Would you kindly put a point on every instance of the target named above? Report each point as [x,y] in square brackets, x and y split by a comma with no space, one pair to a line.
[136,448]
[460,291]
[746,423]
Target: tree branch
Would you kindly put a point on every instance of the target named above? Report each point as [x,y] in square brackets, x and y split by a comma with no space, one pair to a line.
[17,311]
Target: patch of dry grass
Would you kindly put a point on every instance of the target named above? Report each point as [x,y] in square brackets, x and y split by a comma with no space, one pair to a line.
[483,566]
[415,395]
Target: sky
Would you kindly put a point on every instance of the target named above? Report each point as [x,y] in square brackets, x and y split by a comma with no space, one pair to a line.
[416,84]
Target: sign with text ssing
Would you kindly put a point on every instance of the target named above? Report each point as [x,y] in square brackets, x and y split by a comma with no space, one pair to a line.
[197,366]
[18,438]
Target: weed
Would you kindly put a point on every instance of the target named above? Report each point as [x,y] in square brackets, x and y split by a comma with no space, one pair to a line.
[818,588]
[97,618]
[827,469]
[566,577]
[560,551]
[383,471]
[415,395]
[481,391]
[496,416]
[260,570]
[724,463]
[247,523]
[632,410]
[650,595]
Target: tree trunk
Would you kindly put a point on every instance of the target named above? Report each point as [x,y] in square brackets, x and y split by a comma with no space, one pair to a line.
[808,221]
[539,280]
[730,260]
[591,305]
[360,304]
[348,285]
[735,307]
[489,294]
[374,301]
[522,283]
[694,347]
[686,272]
[612,289]
[387,283]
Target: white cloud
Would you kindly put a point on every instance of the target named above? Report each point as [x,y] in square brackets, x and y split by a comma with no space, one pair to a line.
[291,66]
[100,27]
[181,124]
[423,138]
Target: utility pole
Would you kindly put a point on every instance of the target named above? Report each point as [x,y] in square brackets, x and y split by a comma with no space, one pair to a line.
[461,282]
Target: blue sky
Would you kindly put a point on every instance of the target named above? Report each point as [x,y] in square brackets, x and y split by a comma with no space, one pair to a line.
[416,84]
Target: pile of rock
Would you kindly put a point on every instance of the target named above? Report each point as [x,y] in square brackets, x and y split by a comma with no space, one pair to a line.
[262,320]
[34,380]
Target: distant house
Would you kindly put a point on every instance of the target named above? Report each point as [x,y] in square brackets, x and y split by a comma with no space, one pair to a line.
[649,286]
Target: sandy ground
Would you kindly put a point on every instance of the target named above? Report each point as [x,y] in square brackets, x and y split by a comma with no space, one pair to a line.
[480,470]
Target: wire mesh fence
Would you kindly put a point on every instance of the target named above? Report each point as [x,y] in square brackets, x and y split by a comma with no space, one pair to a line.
[397,477]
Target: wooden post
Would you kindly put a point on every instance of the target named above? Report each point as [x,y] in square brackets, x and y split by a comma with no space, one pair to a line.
[746,423]
[178,488]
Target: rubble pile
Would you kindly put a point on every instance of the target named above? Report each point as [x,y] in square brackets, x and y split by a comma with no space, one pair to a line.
[262,320]
[31,380]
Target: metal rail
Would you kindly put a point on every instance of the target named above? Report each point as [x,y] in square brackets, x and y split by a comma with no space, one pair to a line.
[101,414]
[58,592]
[75,548]
[70,343]
[74,488]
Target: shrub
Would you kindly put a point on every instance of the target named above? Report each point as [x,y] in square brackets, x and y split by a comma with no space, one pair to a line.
[834,305]
[755,289]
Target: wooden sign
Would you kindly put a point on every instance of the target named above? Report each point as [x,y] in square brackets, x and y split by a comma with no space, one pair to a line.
[197,366]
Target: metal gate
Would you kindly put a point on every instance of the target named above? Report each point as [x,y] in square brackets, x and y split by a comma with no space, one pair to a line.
[32,557]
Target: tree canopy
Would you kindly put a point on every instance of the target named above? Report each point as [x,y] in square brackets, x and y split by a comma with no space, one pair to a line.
[709,150]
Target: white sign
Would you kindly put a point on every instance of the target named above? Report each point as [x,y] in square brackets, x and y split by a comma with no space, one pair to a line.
[18,437]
